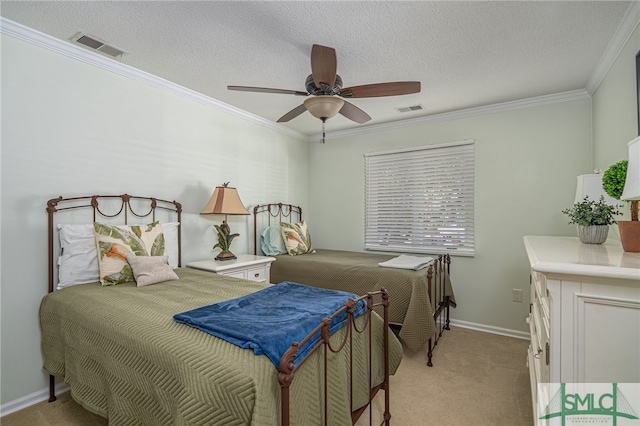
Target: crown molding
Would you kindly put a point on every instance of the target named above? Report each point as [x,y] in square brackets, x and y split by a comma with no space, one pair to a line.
[65,48]
[572,95]
[621,37]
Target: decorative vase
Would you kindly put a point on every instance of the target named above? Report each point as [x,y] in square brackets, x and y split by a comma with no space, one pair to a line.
[593,234]
[630,235]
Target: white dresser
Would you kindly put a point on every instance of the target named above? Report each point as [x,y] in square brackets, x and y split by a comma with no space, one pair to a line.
[585,313]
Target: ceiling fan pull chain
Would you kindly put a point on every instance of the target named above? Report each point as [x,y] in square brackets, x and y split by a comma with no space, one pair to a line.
[324,120]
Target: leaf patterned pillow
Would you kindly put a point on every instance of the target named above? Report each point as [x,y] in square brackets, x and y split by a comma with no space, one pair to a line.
[296,237]
[115,242]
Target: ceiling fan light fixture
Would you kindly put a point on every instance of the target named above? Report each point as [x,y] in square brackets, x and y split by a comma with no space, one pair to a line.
[323,107]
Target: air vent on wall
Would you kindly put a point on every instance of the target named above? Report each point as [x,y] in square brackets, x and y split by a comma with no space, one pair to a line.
[95,43]
[410,108]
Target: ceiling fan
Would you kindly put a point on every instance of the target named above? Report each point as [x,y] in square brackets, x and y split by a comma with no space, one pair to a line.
[325,92]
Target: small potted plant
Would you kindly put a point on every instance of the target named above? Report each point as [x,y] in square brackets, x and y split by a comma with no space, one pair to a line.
[593,219]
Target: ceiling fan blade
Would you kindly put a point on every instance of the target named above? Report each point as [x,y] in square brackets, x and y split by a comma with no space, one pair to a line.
[267,90]
[381,89]
[354,113]
[292,114]
[324,65]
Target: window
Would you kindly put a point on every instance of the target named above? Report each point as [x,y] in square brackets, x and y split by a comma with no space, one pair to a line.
[421,200]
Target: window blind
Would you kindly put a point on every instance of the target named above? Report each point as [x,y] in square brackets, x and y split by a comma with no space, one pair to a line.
[421,200]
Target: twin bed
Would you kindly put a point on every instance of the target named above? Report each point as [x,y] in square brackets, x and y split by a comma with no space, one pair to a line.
[420,299]
[125,358]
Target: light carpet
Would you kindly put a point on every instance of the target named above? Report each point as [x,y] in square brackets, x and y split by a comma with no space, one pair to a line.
[478,379]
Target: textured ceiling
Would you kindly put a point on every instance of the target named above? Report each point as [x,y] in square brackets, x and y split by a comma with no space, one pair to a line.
[465,54]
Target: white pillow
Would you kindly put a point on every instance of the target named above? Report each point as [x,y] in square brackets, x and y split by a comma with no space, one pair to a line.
[170,230]
[78,260]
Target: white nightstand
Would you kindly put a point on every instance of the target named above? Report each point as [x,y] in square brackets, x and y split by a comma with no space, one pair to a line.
[247,266]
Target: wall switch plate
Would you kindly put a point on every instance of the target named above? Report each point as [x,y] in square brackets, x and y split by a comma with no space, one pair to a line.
[517,295]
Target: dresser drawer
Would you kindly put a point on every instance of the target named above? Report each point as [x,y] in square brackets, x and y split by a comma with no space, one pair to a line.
[539,343]
[533,380]
[540,293]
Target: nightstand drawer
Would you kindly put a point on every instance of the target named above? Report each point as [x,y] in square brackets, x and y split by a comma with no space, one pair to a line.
[258,274]
[237,274]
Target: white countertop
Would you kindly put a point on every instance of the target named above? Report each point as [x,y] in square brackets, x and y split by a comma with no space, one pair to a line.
[568,256]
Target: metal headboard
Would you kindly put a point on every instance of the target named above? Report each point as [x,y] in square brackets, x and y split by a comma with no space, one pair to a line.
[92,203]
[273,210]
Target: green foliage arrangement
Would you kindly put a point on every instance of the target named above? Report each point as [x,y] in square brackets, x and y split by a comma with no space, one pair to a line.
[588,212]
[225,237]
[613,179]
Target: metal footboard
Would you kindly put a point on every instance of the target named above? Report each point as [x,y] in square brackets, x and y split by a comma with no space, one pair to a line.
[288,370]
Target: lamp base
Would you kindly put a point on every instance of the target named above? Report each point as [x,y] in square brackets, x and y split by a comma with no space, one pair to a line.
[630,235]
[226,256]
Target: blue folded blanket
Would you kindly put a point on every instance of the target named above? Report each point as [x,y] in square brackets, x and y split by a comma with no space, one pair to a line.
[269,320]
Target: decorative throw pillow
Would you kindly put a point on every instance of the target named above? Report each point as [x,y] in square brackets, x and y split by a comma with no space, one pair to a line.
[271,241]
[115,242]
[150,269]
[296,237]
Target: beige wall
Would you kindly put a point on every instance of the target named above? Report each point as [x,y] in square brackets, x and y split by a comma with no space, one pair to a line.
[527,161]
[72,129]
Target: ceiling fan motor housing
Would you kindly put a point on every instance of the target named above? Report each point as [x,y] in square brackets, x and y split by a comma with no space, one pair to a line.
[315,90]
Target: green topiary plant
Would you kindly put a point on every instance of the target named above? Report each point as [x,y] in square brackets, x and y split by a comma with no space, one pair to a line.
[613,184]
[613,179]
[588,212]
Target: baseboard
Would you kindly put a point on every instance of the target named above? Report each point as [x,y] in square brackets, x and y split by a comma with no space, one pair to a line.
[29,400]
[43,395]
[491,329]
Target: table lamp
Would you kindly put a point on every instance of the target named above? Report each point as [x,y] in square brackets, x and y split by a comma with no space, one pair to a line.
[590,185]
[225,200]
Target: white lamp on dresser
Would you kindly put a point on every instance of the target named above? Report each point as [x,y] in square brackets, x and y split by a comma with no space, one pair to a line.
[590,185]
[585,315]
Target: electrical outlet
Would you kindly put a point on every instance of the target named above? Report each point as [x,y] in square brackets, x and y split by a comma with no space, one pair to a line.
[517,295]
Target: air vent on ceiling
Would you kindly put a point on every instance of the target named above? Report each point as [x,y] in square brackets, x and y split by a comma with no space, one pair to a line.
[410,108]
[94,43]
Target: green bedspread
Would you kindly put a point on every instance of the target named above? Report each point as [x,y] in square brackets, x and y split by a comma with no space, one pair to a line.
[359,273]
[126,359]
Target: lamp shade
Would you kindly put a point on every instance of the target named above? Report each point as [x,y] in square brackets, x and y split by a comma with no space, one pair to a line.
[631,191]
[225,200]
[323,106]
[591,185]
